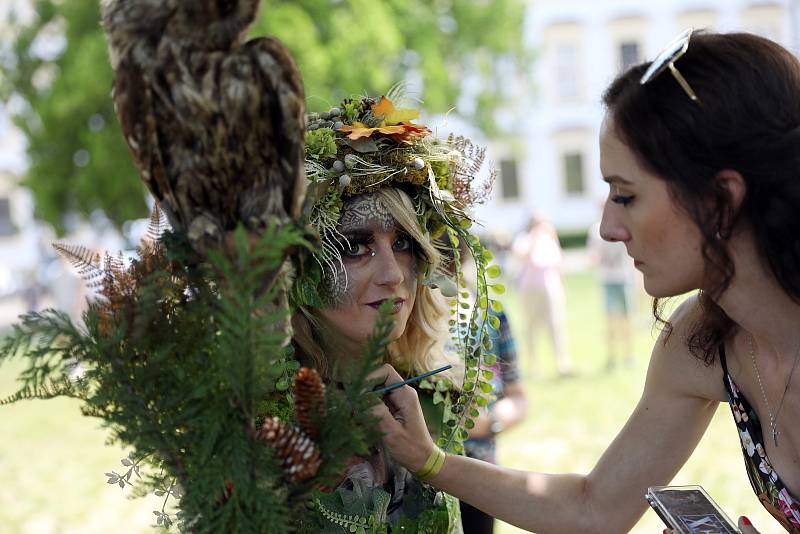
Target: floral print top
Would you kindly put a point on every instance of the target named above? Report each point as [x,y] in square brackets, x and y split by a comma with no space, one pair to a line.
[765,481]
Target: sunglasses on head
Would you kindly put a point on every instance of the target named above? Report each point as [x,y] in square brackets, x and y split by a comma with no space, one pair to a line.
[666,60]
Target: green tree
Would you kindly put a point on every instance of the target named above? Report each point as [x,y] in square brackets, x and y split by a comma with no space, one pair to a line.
[56,80]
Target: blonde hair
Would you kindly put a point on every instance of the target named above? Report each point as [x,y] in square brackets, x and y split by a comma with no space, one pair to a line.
[421,346]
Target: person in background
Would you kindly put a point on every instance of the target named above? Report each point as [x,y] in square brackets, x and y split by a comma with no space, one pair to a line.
[617,281]
[541,290]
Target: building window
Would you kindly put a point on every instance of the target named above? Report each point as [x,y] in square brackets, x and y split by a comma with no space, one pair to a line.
[573,173]
[567,71]
[509,181]
[6,226]
[628,55]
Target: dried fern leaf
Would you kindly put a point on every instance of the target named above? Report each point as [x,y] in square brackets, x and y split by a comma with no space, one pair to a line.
[158,224]
[84,260]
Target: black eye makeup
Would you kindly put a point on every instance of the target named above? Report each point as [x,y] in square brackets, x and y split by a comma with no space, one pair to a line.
[355,245]
[616,196]
[623,200]
[403,243]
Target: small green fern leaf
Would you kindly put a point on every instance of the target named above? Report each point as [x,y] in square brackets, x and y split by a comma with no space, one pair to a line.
[356,524]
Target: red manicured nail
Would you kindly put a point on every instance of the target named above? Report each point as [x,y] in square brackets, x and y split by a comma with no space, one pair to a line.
[746,521]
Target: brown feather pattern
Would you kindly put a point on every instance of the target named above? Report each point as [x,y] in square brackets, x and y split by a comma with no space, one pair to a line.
[215,124]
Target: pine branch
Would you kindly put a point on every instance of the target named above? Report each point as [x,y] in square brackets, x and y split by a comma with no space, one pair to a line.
[62,387]
[48,339]
[349,428]
[180,355]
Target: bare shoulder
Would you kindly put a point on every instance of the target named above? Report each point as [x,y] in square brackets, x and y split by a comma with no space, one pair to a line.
[674,368]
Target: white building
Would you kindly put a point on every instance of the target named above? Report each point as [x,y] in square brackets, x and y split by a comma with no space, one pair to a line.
[580,45]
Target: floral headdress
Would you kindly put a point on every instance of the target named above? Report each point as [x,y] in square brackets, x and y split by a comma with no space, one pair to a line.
[367,143]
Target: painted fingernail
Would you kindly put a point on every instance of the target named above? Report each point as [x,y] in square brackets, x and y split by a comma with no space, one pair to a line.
[746,521]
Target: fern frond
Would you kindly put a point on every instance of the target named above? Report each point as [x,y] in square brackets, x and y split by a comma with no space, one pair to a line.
[87,262]
[465,170]
[350,523]
[158,224]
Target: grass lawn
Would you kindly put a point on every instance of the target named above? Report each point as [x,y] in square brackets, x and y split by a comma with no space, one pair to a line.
[52,459]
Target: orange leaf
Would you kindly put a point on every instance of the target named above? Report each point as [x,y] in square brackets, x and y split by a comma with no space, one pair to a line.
[390,130]
[384,107]
[417,129]
[391,115]
[357,130]
[408,133]
[400,132]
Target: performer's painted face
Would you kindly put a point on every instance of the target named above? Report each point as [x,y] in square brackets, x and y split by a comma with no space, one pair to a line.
[379,262]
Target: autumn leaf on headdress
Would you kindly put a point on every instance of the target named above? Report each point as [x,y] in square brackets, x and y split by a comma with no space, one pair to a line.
[358,130]
[395,124]
[392,115]
[402,133]
[410,131]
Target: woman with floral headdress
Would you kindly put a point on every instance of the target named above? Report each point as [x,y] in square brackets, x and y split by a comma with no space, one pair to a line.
[701,153]
[382,190]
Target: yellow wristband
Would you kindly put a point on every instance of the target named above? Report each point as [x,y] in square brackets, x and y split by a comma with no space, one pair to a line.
[428,465]
[433,465]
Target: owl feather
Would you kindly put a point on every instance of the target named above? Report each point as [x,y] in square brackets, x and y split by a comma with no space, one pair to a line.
[215,123]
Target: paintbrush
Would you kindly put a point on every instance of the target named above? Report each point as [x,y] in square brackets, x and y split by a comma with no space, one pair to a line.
[412,379]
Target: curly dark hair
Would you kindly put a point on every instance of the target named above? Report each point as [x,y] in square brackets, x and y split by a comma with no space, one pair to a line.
[748,120]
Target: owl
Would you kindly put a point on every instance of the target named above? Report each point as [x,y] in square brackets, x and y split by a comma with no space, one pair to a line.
[215,123]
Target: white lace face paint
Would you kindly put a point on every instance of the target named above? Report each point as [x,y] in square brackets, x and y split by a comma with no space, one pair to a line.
[364,210]
[378,262]
[358,213]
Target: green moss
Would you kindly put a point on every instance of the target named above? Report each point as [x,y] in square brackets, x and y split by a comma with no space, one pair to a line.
[277,405]
[321,143]
[441,169]
[350,110]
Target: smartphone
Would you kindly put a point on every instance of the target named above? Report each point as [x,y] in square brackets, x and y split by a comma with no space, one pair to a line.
[689,510]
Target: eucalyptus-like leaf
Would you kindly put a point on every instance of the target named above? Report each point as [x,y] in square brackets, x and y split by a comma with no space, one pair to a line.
[498,288]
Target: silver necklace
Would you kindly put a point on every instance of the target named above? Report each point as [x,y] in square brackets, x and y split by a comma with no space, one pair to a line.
[773,419]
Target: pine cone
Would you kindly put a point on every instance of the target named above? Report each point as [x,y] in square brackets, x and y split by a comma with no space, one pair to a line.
[309,400]
[299,454]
